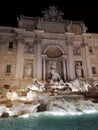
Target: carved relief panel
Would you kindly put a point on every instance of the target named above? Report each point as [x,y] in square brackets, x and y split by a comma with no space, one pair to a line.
[29,48]
[28,68]
[76,50]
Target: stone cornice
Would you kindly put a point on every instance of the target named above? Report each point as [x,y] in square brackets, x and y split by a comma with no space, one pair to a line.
[77,38]
[43,35]
[56,36]
[22,17]
[93,40]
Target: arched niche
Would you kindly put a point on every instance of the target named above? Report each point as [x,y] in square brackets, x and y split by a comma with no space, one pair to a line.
[53,51]
[54,56]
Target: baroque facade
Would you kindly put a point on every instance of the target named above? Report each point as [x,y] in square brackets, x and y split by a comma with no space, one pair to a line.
[42,46]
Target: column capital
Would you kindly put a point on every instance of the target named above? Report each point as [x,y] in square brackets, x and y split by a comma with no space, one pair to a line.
[69,37]
[85,38]
[84,44]
[20,35]
[20,39]
[44,56]
[64,56]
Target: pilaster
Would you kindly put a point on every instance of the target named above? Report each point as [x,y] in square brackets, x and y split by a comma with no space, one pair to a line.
[19,59]
[64,67]
[38,60]
[86,57]
[70,65]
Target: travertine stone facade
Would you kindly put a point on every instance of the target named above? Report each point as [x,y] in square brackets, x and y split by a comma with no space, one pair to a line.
[40,45]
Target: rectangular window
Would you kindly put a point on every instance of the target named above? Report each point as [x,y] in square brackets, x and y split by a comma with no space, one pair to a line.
[10,47]
[93,70]
[6,86]
[8,69]
[90,49]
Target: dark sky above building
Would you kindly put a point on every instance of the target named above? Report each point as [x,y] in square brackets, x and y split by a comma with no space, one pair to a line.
[75,10]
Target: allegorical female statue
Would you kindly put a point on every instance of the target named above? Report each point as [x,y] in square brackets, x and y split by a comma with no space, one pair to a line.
[78,69]
[28,70]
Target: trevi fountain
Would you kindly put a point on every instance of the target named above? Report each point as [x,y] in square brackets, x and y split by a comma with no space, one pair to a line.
[48,75]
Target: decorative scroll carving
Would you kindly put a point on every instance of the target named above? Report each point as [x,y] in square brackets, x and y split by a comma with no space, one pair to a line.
[53,14]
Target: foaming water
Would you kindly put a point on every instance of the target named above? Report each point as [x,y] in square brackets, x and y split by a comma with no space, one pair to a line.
[51,121]
[63,113]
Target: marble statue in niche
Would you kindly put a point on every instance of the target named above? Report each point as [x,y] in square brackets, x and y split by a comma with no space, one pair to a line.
[53,72]
[29,48]
[28,69]
[79,69]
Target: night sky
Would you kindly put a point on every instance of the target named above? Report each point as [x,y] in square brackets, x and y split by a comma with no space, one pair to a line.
[75,10]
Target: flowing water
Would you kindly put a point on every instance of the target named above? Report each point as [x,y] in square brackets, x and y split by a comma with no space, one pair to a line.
[51,121]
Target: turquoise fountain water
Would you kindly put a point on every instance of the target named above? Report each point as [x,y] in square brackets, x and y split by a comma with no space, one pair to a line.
[51,121]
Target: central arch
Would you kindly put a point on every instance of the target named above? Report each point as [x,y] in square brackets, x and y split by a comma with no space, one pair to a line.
[54,56]
[54,50]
